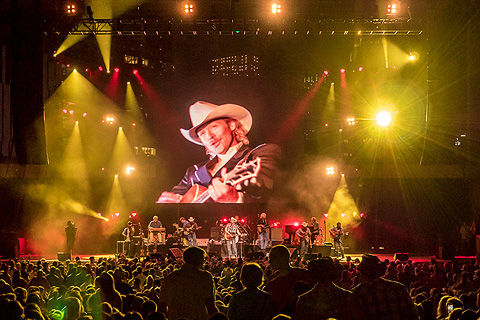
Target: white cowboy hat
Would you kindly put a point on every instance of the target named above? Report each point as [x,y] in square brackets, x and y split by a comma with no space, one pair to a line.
[202,112]
[233,219]
[304,224]
[191,219]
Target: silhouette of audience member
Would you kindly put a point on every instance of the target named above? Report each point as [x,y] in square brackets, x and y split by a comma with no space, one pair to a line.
[251,302]
[379,298]
[285,286]
[106,292]
[326,300]
[189,292]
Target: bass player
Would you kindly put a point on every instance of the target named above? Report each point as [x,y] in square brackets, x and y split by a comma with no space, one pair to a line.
[222,130]
[337,233]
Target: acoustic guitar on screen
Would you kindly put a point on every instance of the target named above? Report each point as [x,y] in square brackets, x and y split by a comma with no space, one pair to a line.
[245,172]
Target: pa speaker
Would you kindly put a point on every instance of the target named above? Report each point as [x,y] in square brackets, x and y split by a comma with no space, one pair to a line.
[323,250]
[401,256]
[64,256]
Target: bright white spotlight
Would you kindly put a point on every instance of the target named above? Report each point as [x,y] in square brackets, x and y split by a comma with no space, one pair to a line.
[276,8]
[330,170]
[384,118]
[129,169]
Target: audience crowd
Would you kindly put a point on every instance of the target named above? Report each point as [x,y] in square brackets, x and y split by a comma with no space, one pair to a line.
[275,287]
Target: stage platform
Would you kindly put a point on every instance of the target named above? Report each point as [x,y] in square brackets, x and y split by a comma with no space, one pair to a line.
[353,256]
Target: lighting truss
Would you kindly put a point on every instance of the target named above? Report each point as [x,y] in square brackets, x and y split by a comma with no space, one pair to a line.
[365,27]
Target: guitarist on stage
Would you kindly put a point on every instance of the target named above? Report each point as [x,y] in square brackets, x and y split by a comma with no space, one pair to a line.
[222,130]
[337,233]
[189,228]
[262,226]
[303,233]
[231,233]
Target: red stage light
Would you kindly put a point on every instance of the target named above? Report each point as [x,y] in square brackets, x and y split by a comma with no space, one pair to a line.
[117,70]
[71,112]
[362,215]
[296,224]
[84,114]
[117,214]
[100,68]
[134,214]
[275,225]
[99,214]
[242,220]
[325,72]
[360,69]
[342,71]
[225,220]
[68,65]
[134,124]
[65,111]
[325,215]
[135,71]
[86,70]
[326,124]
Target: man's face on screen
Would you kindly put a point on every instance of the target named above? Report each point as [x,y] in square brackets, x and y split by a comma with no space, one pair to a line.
[217,136]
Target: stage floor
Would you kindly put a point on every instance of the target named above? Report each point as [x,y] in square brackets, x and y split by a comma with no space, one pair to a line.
[86,257]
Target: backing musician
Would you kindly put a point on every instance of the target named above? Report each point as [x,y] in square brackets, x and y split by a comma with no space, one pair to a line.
[153,227]
[189,228]
[304,234]
[337,233]
[262,226]
[128,233]
[317,233]
[231,233]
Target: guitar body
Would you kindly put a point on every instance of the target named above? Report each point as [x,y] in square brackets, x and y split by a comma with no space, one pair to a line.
[193,195]
[228,236]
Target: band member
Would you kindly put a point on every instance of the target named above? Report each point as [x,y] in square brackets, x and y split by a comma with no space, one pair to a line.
[154,234]
[303,233]
[71,232]
[128,233]
[189,228]
[231,233]
[262,226]
[316,231]
[221,130]
[337,233]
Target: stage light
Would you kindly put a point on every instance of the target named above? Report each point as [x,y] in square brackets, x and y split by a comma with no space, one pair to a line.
[384,118]
[225,220]
[116,176]
[362,215]
[325,215]
[342,214]
[86,70]
[342,71]
[134,214]
[326,124]
[134,124]
[99,214]
[109,120]
[330,170]
[71,112]
[296,224]
[275,224]
[412,56]
[360,69]
[188,8]
[129,169]
[354,214]
[117,214]
[68,65]
[325,72]
[276,8]
[100,68]
[135,71]
[84,114]
[242,220]
[117,70]
[65,111]
[392,9]
[71,9]
[351,121]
